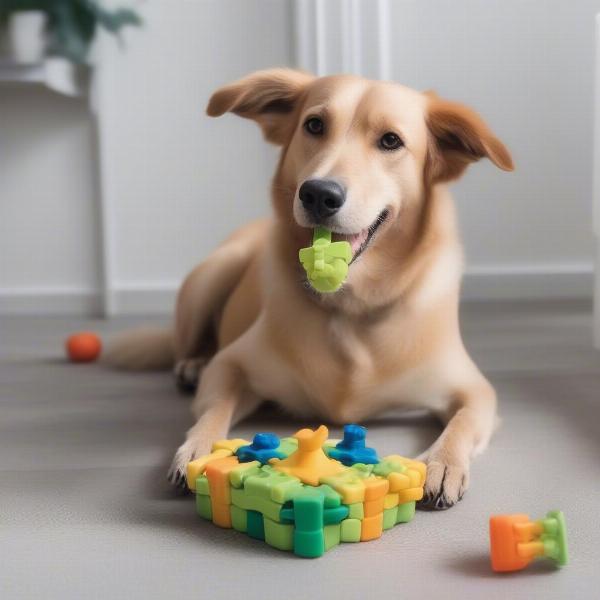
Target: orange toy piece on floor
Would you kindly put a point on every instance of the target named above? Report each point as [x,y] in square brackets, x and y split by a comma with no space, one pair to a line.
[515,540]
[83,347]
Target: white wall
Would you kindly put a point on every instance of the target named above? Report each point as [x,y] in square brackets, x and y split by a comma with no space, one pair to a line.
[528,67]
[179,181]
[183,181]
[48,203]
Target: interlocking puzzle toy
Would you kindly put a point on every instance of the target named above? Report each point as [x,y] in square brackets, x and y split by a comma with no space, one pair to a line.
[326,262]
[515,540]
[305,494]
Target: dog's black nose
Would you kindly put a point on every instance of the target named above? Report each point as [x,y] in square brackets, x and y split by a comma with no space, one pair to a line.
[321,198]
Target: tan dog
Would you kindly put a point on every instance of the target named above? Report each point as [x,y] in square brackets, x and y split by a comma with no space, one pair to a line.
[369,160]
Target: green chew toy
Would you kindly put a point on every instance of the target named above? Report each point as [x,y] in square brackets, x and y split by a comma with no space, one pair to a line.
[326,262]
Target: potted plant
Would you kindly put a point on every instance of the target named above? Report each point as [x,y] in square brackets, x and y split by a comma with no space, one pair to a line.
[63,28]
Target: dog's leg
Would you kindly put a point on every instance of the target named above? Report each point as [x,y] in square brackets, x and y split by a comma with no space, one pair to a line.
[187,373]
[471,419]
[205,290]
[201,299]
[221,401]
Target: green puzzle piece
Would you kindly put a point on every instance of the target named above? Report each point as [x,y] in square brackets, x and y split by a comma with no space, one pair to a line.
[390,516]
[350,530]
[256,525]
[332,498]
[554,537]
[239,518]
[387,466]
[332,536]
[239,474]
[406,512]
[326,262]
[316,514]
[356,511]
[362,469]
[202,485]
[268,508]
[349,480]
[307,514]
[203,507]
[270,484]
[331,509]
[279,535]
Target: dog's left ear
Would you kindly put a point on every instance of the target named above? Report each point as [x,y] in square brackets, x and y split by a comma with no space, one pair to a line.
[268,97]
[459,137]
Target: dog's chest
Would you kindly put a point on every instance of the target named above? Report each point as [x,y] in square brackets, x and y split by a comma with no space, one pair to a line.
[333,369]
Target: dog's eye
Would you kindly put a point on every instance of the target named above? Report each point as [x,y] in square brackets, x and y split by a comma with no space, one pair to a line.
[314,126]
[390,141]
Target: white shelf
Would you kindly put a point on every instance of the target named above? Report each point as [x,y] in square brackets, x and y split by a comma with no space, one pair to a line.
[55,73]
[12,72]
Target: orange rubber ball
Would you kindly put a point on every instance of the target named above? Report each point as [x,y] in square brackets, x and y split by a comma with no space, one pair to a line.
[83,347]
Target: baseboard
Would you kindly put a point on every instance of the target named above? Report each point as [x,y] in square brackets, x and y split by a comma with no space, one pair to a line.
[480,283]
[50,300]
[529,282]
[145,297]
[130,299]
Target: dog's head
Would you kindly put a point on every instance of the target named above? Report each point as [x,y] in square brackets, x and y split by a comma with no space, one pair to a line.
[358,155]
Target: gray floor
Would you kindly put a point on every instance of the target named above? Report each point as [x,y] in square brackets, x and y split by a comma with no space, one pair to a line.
[86,513]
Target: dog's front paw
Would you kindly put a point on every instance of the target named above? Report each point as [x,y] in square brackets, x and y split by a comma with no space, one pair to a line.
[187,373]
[176,476]
[187,452]
[445,484]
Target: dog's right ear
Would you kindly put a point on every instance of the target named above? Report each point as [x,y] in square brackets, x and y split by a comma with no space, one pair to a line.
[268,97]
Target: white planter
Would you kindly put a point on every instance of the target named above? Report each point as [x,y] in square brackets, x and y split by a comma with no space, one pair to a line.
[27,36]
[64,77]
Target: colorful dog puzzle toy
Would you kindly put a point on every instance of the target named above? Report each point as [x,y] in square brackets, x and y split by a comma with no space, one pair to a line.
[515,541]
[326,262]
[305,494]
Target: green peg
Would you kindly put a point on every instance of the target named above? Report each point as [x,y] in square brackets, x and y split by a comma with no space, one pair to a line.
[326,262]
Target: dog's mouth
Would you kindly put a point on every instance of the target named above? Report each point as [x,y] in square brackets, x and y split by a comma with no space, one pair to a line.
[360,241]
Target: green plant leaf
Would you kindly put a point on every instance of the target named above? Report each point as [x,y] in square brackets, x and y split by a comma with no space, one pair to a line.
[71,24]
[69,33]
[117,19]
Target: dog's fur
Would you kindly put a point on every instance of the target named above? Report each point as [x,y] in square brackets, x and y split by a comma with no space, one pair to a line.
[247,322]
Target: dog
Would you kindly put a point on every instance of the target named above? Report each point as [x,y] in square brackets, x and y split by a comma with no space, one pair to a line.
[368,160]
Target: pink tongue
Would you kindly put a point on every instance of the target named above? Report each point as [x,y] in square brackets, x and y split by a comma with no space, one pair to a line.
[356,240]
